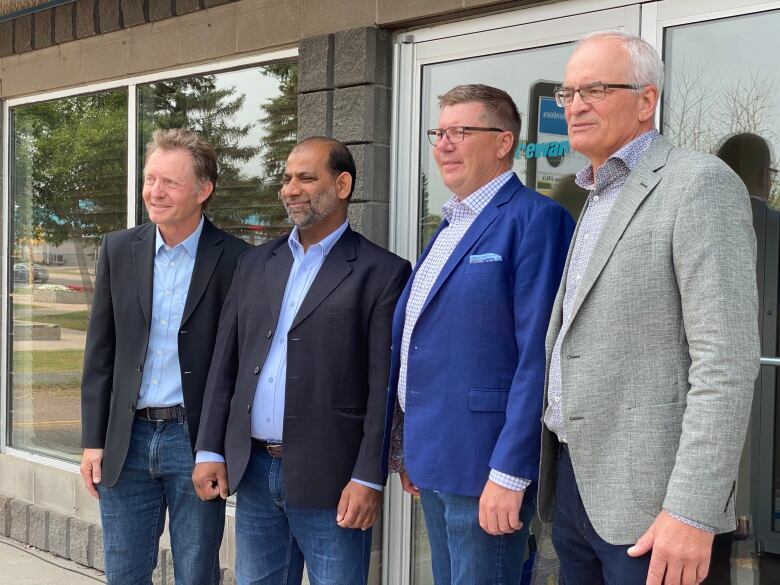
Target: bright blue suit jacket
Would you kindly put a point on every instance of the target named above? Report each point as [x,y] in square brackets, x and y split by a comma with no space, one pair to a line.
[475,380]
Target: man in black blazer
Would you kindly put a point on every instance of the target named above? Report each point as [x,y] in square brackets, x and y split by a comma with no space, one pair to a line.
[299,381]
[158,294]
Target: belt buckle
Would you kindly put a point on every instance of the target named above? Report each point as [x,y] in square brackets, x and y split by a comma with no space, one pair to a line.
[274,450]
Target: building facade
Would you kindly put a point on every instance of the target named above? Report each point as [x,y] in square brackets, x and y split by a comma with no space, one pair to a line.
[83,83]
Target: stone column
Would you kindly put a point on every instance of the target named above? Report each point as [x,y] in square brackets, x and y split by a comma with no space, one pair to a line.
[344,92]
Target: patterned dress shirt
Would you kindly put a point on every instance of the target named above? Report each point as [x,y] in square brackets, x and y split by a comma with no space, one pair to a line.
[459,216]
[604,189]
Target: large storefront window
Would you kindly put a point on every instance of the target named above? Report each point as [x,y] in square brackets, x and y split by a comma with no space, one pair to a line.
[250,116]
[68,186]
[68,189]
[722,97]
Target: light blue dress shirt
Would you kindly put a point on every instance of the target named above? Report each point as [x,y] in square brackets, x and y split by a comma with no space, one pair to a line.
[268,403]
[161,381]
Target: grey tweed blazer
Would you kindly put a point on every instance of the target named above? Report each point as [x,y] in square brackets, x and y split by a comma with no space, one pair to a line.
[660,358]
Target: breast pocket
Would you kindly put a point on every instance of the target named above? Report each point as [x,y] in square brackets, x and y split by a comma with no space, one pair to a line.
[493,267]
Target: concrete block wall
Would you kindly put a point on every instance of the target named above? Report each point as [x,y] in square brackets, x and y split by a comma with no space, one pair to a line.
[86,18]
[344,87]
[72,538]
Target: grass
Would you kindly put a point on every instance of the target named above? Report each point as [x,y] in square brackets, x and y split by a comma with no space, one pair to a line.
[76,320]
[56,360]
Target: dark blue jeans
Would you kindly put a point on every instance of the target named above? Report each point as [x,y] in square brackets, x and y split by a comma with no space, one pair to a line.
[157,475]
[586,558]
[273,538]
[464,554]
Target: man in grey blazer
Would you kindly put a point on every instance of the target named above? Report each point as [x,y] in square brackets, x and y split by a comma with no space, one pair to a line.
[652,348]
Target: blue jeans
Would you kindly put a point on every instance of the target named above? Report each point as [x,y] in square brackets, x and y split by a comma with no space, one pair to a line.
[464,554]
[585,557]
[157,474]
[273,538]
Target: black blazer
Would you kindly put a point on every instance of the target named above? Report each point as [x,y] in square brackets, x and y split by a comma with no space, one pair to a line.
[119,327]
[338,359]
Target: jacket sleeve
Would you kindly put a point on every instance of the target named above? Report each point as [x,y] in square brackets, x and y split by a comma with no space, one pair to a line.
[714,255]
[98,374]
[537,267]
[368,465]
[221,381]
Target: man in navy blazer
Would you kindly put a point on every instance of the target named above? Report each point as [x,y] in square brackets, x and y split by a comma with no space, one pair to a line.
[467,377]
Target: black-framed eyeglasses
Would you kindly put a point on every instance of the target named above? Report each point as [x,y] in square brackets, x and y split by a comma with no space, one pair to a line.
[455,134]
[589,94]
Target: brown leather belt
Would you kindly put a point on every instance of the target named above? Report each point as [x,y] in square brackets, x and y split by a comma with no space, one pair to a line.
[273,449]
[162,413]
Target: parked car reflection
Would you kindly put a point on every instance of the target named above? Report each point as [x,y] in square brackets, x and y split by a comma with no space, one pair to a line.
[22,273]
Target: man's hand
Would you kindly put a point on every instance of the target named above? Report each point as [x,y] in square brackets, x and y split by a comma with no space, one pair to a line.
[92,469]
[210,480]
[407,484]
[359,506]
[681,553]
[499,509]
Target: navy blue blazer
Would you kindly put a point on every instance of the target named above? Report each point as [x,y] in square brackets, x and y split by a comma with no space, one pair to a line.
[475,379]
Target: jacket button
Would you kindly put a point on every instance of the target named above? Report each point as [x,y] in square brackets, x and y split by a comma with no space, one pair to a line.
[248,408]
[269,333]
[132,408]
[256,370]
[140,367]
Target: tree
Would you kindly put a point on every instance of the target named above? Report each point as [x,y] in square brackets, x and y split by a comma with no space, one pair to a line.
[77,150]
[280,122]
[197,103]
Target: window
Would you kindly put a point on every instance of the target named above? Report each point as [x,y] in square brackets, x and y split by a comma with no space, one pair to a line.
[68,187]
[250,116]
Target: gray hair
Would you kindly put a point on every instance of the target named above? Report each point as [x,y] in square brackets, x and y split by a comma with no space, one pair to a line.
[644,65]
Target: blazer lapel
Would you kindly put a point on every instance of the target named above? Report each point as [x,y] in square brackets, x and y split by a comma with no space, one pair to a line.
[335,269]
[475,231]
[209,251]
[641,182]
[277,272]
[143,265]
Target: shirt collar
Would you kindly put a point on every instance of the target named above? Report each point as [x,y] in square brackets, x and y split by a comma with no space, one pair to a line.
[325,245]
[478,200]
[626,157]
[190,243]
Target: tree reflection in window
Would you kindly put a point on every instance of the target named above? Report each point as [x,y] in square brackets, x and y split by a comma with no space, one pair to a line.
[250,116]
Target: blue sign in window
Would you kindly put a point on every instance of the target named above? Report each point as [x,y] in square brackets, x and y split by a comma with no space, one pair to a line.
[551,117]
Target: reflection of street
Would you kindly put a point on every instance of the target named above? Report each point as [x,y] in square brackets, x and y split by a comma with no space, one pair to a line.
[69,276]
[46,373]
[47,417]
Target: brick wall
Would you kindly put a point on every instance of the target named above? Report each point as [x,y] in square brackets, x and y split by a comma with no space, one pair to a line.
[86,18]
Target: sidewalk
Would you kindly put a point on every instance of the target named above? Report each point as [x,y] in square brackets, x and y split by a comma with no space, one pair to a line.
[22,565]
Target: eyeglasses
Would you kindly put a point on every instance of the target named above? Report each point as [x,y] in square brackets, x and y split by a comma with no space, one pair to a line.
[455,134]
[589,94]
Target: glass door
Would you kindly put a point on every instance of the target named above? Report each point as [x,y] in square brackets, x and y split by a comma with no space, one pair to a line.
[721,97]
[527,60]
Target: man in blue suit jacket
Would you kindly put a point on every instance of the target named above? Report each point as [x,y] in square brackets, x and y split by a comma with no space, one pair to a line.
[467,378]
